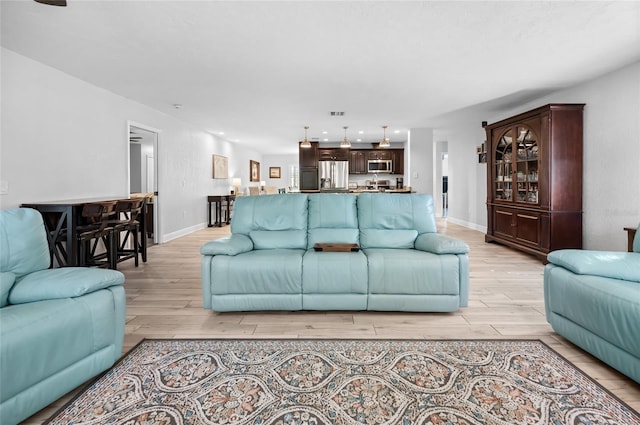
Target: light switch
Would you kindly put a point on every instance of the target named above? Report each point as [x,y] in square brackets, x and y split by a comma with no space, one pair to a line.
[4,187]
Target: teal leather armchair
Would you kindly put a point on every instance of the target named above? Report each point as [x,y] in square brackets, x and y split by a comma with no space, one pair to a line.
[592,298]
[58,327]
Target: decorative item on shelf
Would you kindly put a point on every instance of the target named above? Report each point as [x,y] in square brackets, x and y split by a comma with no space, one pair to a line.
[345,143]
[274,172]
[236,182]
[482,153]
[220,167]
[305,143]
[254,171]
[262,185]
[384,143]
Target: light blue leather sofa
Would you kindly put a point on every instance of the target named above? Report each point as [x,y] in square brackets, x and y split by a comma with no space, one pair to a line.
[268,262]
[592,298]
[58,327]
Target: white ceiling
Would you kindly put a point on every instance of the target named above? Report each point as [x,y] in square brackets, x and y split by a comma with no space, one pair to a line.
[259,71]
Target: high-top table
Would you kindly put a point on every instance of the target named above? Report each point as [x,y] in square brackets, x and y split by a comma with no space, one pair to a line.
[218,200]
[59,216]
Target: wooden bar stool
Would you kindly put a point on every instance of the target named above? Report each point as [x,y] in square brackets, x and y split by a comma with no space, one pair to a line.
[127,222]
[96,229]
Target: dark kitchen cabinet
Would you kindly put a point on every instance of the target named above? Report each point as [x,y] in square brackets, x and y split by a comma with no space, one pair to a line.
[379,154]
[333,154]
[357,162]
[397,156]
[534,180]
[308,160]
[309,156]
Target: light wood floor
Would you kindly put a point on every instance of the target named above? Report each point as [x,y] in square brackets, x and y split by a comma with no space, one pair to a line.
[506,301]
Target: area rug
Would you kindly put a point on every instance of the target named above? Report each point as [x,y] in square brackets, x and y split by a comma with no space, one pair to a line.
[278,382]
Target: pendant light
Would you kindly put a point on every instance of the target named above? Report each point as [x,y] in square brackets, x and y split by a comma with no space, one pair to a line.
[345,143]
[305,143]
[384,143]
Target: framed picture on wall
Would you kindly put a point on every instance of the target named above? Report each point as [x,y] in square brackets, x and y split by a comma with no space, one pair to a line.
[254,171]
[274,172]
[220,167]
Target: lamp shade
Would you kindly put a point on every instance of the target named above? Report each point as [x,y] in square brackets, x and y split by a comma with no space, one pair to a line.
[236,181]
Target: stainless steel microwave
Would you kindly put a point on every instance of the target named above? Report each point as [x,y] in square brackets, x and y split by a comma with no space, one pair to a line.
[375,166]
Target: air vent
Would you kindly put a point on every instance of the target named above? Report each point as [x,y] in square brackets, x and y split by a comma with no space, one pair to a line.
[336,114]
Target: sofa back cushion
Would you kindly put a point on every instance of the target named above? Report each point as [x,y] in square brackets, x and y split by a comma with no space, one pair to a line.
[394,220]
[333,217]
[23,242]
[272,221]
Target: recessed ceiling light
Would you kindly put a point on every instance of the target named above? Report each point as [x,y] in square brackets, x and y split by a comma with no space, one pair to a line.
[325,140]
[221,133]
[324,132]
[397,131]
[360,132]
[358,140]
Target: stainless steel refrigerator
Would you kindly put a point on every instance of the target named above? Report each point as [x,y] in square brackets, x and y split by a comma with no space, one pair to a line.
[334,175]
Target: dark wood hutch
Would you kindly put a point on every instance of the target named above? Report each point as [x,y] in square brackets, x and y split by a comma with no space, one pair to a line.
[534,180]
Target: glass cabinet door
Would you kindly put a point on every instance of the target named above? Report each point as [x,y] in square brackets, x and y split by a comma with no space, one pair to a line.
[527,163]
[502,184]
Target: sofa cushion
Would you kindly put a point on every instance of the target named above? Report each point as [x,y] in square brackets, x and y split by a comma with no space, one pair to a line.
[265,271]
[66,282]
[387,217]
[440,244]
[228,245]
[393,271]
[23,242]
[613,264]
[380,238]
[6,282]
[269,212]
[278,239]
[333,217]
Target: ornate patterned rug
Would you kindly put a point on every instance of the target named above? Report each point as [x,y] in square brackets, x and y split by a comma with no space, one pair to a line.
[315,382]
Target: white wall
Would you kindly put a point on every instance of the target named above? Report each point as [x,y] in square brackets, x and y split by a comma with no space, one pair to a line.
[611,178]
[284,162]
[419,174]
[63,138]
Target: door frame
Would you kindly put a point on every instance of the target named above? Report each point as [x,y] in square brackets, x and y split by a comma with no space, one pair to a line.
[156,200]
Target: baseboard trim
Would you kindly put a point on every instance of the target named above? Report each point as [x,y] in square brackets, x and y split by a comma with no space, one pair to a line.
[468,224]
[182,232]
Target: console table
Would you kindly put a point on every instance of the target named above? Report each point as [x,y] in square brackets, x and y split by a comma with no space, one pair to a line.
[631,233]
[218,200]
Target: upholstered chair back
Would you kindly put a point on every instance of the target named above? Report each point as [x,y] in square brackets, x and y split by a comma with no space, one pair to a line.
[389,220]
[333,217]
[274,221]
[23,242]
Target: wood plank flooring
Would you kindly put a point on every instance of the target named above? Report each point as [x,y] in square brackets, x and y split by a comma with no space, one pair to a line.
[164,300]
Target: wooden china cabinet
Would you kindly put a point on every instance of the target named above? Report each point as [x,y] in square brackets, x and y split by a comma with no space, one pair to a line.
[534,180]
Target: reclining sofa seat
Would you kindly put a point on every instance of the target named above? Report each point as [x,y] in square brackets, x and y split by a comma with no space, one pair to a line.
[58,327]
[592,298]
[268,262]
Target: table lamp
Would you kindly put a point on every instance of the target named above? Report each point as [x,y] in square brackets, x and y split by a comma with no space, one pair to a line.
[236,182]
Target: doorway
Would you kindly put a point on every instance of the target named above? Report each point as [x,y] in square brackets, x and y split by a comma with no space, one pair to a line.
[143,173]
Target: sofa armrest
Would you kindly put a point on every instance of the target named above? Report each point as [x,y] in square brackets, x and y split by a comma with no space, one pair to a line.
[440,244]
[229,245]
[612,264]
[66,282]
[7,279]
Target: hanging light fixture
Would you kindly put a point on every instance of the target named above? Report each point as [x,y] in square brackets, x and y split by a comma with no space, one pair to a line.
[345,143]
[305,143]
[384,143]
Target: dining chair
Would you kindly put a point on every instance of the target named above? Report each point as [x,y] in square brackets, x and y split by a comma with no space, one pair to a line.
[254,190]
